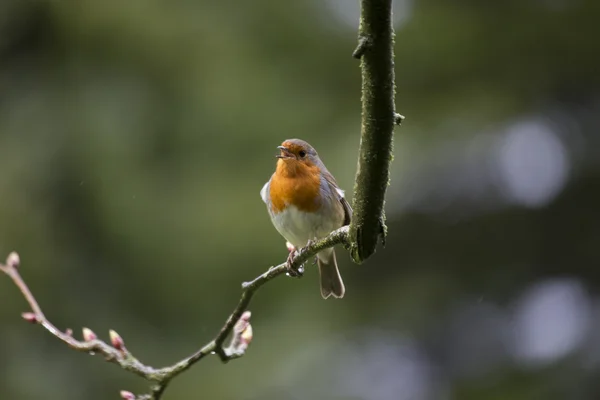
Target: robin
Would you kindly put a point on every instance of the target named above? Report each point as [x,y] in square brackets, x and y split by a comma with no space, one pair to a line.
[305,203]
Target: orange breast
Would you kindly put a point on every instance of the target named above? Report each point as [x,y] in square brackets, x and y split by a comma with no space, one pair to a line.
[297,185]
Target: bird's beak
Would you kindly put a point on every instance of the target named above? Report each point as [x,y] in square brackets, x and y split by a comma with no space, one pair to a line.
[285,153]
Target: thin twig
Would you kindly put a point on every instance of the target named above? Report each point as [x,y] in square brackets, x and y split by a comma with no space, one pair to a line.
[237,325]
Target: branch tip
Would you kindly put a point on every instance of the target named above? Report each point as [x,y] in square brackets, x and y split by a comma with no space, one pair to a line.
[126,395]
[13,260]
[116,340]
[30,317]
[89,335]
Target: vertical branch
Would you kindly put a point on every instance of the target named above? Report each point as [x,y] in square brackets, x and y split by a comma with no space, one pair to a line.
[375,49]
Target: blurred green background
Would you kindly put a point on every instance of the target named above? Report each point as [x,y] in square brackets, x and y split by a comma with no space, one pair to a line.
[135,137]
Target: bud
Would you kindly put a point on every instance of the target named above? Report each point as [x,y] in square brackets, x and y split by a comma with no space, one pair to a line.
[127,395]
[30,317]
[13,260]
[89,335]
[116,340]
[246,316]
[69,332]
[290,246]
[242,333]
[246,336]
[242,323]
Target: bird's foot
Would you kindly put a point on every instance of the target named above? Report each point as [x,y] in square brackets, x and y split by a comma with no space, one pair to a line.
[292,271]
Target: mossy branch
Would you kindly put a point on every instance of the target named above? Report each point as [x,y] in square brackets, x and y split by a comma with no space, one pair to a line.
[376,52]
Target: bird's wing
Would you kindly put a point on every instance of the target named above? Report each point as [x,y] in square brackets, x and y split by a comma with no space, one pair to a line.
[340,194]
[264,192]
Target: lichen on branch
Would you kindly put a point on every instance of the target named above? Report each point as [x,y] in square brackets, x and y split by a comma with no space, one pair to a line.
[376,52]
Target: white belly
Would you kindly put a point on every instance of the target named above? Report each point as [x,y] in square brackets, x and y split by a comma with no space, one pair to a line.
[298,227]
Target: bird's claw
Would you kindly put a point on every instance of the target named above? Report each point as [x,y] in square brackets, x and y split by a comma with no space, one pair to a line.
[291,270]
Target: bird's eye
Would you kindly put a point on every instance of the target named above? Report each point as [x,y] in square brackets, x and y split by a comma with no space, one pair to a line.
[302,153]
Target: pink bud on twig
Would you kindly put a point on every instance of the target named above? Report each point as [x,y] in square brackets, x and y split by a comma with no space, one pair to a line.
[30,317]
[242,323]
[116,340]
[242,333]
[13,260]
[127,395]
[89,335]
[246,316]
[246,336]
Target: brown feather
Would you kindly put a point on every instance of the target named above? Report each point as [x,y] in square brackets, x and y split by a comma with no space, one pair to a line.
[334,186]
[330,278]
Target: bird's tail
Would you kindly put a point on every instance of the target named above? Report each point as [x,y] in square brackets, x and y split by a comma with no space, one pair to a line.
[331,280]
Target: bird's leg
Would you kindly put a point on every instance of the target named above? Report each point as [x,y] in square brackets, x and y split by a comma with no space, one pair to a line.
[293,272]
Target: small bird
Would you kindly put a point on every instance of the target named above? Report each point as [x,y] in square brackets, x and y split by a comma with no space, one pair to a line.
[305,203]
